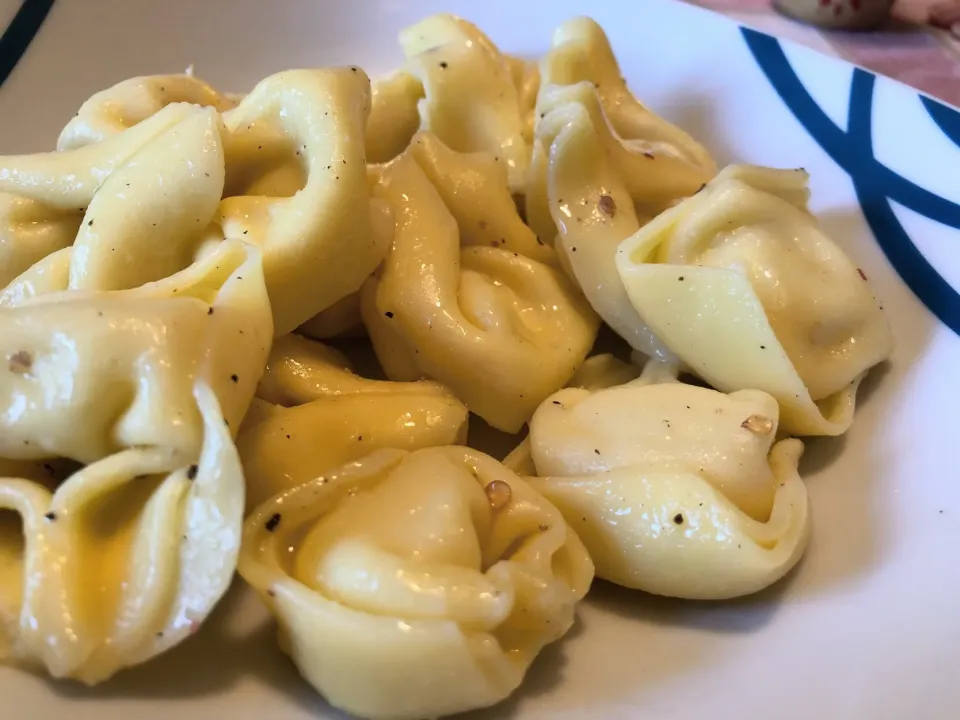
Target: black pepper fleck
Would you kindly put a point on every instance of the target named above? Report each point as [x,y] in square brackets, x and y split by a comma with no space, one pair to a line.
[678,519]
[51,516]
[210,311]
[680,278]
[89,224]
[235,377]
[648,155]
[444,65]
[273,522]
[192,472]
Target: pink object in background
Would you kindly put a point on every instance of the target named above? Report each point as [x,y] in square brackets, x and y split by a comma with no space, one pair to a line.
[918,44]
[841,14]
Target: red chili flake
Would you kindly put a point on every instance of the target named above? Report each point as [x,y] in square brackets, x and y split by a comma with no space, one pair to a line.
[825,3]
[607,205]
[271,593]
[837,9]
[863,275]
[498,493]
[758,424]
[20,362]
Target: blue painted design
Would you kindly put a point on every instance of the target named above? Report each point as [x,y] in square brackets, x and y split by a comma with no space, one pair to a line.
[875,184]
[947,119]
[20,33]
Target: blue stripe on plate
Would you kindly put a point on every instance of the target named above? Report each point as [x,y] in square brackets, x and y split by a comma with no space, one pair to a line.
[875,184]
[947,119]
[20,33]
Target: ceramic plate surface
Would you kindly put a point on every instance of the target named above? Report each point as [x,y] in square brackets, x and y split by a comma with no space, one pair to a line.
[868,625]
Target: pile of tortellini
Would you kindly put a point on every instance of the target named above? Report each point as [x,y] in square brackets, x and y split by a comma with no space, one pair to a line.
[171,270]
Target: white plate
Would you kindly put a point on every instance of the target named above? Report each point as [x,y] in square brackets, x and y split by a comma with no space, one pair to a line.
[868,625]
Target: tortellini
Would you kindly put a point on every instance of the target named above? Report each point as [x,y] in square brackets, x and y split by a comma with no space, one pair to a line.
[127,103]
[314,414]
[394,116]
[500,330]
[30,231]
[129,554]
[741,284]
[657,162]
[673,488]
[321,243]
[593,213]
[471,100]
[412,585]
[145,197]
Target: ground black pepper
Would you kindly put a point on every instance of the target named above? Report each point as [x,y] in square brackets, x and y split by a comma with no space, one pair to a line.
[273,522]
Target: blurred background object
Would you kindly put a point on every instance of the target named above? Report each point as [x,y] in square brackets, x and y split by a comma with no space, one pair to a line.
[914,41]
[839,14]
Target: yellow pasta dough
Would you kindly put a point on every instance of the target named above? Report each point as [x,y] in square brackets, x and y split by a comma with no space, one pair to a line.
[471,101]
[130,553]
[500,330]
[127,103]
[320,244]
[314,414]
[741,283]
[674,489]
[419,584]
[657,162]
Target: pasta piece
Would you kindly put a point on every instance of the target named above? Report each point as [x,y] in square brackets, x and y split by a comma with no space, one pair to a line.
[315,414]
[673,488]
[89,374]
[394,116]
[67,180]
[604,371]
[342,319]
[29,231]
[129,554]
[125,559]
[593,212]
[500,330]
[742,284]
[657,162]
[320,244]
[471,102]
[146,220]
[474,188]
[111,111]
[582,53]
[419,584]
[526,79]
[51,274]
